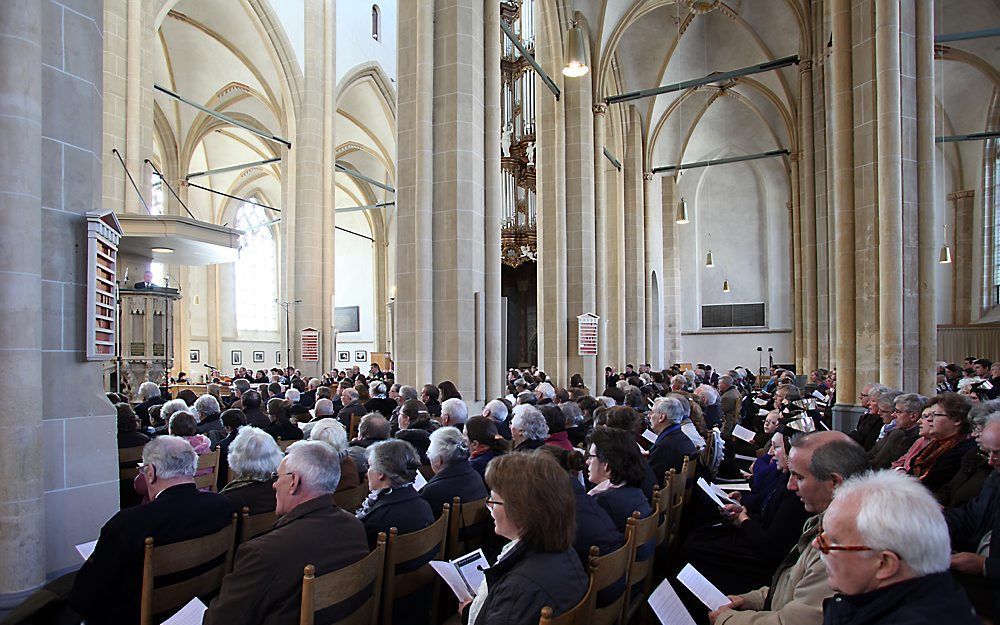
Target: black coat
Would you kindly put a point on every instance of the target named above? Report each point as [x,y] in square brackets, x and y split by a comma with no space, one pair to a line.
[946,466]
[382,405]
[347,412]
[402,508]
[284,431]
[524,581]
[671,447]
[927,600]
[308,398]
[142,410]
[594,526]
[107,587]
[480,462]
[254,494]
[967,526]
[256,418]
[621,502]
[458,480]
[866,432]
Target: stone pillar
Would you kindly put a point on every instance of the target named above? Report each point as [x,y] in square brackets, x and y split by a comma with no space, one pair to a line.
[807,210]
[580,236]
[670,286]
[494,372]
[924,52]
[963,269]
[635,257]
[601,256]
[795,243]
[652,214]
[133,111]
[890,193]
[213,314]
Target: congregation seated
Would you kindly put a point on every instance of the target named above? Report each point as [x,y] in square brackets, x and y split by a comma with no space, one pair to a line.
[253,457]
[281,426]
[937,463]
[393,502]
[688,426]
[251,409]
[870,423]
[532,505]
[907,408]
[331,432]
[498,410]
[453,475]
[182,424]
[672,444]
[188,397]
[323,409]
[974,468]
[373,428]
[379,402]
[106,588]
[628,420]
[485,443]
[556,423]
[885,546]
[265,585]
[454,413]
[149,396]
[528,428]
[614,466]
[924,438]
[128,428]
[208,413]
[232,420]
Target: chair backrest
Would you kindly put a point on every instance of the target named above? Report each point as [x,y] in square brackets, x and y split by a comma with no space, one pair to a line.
[662,500]
[284,445]
[355,426]
[580,614]
[467,526]
[255,524]
[208,460]
[407,547]
[643,531]
[351,499]
[687,472]
[363,578]
[128,463]
[606,571]
[180,557]
[707,455]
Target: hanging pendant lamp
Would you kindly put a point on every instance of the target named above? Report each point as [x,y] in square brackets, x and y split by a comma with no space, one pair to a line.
[945,257]
[725,286]
[709,261]
[682,212]
[575,53]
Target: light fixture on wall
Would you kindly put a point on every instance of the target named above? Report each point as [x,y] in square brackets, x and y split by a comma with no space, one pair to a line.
[196,301]
[945,257]
[725,286]
[162,250]
[709,261]
[682,212]
[575,53]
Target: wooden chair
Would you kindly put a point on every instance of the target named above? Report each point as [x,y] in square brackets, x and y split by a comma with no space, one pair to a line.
[606,571]
[401,549]
[687,473]
[467,516]
[639,572]
[284,445]
[577,615]
[128,463]
[662,500]
[355,426]
[209,460]
[179,557]
[364,576]
[252,525]
[352,498]
[678,490]
[707,455]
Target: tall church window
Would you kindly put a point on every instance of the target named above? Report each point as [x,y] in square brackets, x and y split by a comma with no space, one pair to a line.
[376,23]
[991,212]
[256,270]
[156,194]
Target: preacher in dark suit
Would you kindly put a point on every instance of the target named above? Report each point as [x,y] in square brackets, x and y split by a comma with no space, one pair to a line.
[672,444]
[453,475]
[265,586]
[107,587]
[147,282]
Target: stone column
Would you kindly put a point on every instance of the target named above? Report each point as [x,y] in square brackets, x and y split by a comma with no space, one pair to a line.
[133,111]
[494,372]
[670,287]
[653,262]
[601,259]
[22,507]
[890,193]
[924,52]
[329,207]
[795,243]
[807,209]
[962,268]
[635,261]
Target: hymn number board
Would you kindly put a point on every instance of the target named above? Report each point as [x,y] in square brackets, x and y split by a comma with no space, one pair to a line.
[103,234]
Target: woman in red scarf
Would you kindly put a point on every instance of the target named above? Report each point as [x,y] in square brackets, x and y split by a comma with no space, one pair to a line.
[937,463]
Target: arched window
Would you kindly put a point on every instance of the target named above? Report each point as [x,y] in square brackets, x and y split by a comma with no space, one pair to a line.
[376,23]
[256,270]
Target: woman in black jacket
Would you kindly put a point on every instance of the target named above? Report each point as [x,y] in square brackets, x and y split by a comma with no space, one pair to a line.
[533,506]
[281,427]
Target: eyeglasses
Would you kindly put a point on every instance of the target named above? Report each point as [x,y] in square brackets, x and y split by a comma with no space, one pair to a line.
[275,475]
[826,547]
[931,415]
[490,503]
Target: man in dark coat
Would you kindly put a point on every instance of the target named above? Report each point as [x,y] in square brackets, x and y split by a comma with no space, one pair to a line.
[453,475]
[672,444]
[265,586]
[149,393]
[352,408]
[251,410]
[107,587]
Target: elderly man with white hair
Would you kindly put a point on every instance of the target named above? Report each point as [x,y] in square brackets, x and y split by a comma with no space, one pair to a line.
[331,432]
[266,581]
[885,546]
[208,413]
[672,444]
[252,457]
[711,405]
[528,428]
[545,393]
[324,408]
[454,412]
[453,475]
[107,588]
[498,412]
[149,395]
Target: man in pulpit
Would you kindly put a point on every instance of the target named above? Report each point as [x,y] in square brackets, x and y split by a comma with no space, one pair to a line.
[147,281]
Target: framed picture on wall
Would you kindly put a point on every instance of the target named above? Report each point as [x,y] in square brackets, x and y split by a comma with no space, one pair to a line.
[360,355]
[194,355]
[237,357]
[343,356]
[258,356]
[277,357]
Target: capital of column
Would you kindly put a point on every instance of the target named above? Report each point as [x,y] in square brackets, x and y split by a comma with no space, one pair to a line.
[958,195]
[805,65]
[788,205]
[600,108]
[795,156]
[647,175]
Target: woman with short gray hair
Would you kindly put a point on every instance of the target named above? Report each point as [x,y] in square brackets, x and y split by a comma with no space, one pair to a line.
[253,457]
[453,475]
[393,502]
[332,432]
[528,428]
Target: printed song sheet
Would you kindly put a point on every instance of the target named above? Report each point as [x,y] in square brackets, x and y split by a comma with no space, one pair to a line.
[667,606]
[700,587]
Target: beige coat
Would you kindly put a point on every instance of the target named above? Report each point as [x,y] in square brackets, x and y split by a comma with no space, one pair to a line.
[797,592]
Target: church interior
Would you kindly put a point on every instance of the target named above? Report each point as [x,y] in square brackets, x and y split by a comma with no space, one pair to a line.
[493,198]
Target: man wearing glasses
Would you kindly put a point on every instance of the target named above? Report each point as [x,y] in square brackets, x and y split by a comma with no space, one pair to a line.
[885,546]
[818,464]
[975,532]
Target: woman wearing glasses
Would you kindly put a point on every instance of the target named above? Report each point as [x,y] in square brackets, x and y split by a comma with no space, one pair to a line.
[533,506]
[949,429]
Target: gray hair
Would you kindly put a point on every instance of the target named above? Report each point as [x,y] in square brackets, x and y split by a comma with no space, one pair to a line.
[213,389]
[331,432]
[887,399]
[374,425]
[396,459]
[708,394]
[253,453]
[670,407]
[498,410]
[456,410]
[572,413]
[684,402]
[525,397]
[316,464]
[985,412]
[679,379]
[148,390]
[407,393]
[350,392]
[172,456]
[910,402]
[876,390]
[377,387]
[314,384]
[727,379]
[241,384]
[448,445]
[324,407]
[843,457]
[172,406]
[530,422]
[206,405]
[689,375]
[897,513]
[293,395]
[545,390]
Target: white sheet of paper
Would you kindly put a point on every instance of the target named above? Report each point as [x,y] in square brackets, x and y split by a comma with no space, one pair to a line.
[723,495]
[714,493]
[471,566]
[746,458]
[819,395]
[667,606]
[760,401]
[453,578]
[420,481]
[762,413]
[700,587]
[649,435]
[86,549]
[743,433]
[190,614]
[737,486]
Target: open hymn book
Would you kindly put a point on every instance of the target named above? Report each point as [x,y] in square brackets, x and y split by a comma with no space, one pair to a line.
[464,574]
